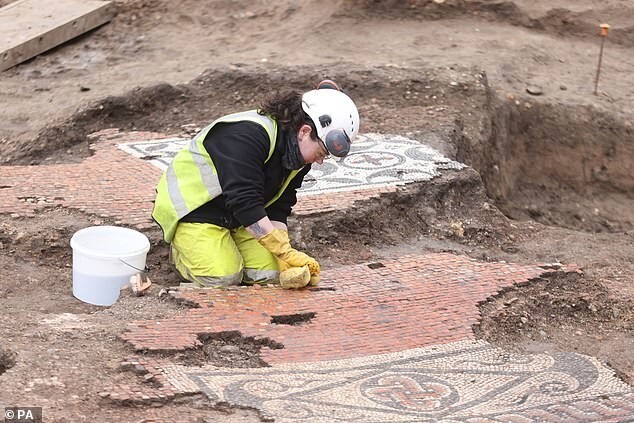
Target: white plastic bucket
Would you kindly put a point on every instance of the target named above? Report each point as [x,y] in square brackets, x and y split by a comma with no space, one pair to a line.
[104,258]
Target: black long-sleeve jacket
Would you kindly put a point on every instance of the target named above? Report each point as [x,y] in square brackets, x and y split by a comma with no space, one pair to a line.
[239,151]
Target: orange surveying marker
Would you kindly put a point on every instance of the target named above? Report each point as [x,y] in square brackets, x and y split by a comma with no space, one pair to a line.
[604,33]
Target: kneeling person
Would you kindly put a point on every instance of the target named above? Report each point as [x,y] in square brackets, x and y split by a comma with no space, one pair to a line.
[224,201]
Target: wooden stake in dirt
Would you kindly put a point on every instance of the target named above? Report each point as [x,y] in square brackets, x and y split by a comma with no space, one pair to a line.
[604,34]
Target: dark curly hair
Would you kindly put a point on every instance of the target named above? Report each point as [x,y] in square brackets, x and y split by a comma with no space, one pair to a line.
[285,107]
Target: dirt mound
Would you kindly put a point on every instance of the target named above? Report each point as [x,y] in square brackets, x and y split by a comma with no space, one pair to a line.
[583,23]
[452,206]
[556,310]
[182,109]
[449,9]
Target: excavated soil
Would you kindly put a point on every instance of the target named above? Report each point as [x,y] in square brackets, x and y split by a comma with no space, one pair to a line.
[505,87]
[560,309]
[226,349]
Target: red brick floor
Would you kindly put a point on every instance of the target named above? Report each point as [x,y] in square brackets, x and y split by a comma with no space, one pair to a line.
[358,312]
[110,183]
[396,305]
[411,302]
[114,184]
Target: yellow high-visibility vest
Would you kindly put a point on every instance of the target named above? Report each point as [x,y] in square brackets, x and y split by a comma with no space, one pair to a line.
[191,179]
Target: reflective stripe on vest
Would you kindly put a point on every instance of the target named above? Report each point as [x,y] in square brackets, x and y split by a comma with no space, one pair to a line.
[191,180]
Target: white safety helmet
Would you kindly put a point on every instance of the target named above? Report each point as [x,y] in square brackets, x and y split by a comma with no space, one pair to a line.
[335,116]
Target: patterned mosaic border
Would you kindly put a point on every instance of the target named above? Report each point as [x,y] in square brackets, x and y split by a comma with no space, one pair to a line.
[467,381]
[375,161]
[461,382]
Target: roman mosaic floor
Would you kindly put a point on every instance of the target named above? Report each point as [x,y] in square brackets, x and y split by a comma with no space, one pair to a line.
[375,342]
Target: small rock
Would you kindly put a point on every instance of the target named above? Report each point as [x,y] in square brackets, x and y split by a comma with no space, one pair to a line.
[563,87]
[511,301]
[554,266]
[139,369]
[457,229]
[229,349]
[534,90]
[511,249]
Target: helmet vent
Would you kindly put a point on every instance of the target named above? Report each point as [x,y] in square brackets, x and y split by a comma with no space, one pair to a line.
[325,120]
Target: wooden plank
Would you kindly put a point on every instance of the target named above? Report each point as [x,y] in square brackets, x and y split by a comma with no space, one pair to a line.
[30,27]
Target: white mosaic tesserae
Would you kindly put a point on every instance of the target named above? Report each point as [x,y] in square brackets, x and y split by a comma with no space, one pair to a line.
[375,160]
[451,383]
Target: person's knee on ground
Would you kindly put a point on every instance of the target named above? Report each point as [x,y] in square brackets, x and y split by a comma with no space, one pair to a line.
[260,266]
[206,255]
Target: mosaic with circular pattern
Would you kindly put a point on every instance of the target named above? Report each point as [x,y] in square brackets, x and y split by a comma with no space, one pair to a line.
[375,160]
[467,381]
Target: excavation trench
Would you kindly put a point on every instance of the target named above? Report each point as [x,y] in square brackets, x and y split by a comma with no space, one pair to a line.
[568,166]
[564,166]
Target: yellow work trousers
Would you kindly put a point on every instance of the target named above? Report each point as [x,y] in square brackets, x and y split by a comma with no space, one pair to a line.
[212,256]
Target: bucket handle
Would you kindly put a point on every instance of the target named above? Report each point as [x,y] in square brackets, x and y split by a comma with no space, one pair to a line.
[136,268]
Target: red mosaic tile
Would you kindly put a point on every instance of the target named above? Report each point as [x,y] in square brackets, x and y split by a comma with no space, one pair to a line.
[412,302]
[113,183]
[110,183]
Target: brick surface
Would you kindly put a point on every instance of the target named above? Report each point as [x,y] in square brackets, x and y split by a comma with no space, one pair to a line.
[466,381]
[411,302]
[337,201]
[154,384]
[110,183]
[375,342]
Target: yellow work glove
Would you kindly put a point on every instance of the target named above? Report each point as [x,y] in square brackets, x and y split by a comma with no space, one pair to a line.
[290,276]
[277,242]
[283,265]
[314,280]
